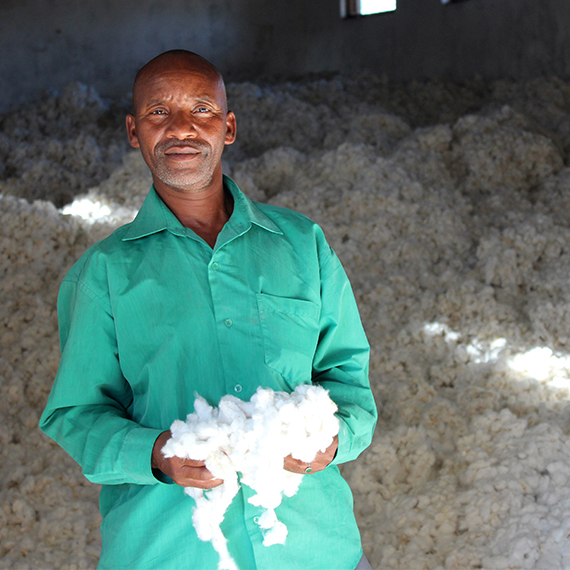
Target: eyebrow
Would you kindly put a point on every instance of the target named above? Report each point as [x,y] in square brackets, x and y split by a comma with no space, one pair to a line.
[197,99]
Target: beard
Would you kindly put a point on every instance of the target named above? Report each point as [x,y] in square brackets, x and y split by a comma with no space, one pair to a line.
[184,178]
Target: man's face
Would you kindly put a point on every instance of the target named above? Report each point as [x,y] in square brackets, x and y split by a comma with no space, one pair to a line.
[181,125]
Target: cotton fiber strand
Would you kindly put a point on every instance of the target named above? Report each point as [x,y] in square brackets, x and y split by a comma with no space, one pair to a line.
[252,438]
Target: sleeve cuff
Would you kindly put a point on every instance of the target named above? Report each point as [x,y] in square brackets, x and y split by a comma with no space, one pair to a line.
[342,452]
[136,456]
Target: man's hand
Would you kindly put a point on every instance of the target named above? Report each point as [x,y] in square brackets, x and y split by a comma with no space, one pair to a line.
[184,472]
[322,459]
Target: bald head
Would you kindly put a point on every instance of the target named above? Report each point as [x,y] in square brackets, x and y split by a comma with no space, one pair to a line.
[175,61]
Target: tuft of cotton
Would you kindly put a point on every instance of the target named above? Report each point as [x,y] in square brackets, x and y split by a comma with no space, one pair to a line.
[252,439]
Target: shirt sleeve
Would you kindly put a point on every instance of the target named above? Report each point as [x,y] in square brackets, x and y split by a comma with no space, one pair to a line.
[342,358]
[87,412]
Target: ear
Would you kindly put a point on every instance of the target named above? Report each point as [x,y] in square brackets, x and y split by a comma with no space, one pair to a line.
[230,128]
[132,131]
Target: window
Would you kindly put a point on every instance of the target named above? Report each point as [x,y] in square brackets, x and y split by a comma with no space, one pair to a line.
[366,7]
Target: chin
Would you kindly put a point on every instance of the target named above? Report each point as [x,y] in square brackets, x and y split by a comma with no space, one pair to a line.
[187,184]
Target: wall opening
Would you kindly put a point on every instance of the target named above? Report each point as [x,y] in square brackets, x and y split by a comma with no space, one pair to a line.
[366,7]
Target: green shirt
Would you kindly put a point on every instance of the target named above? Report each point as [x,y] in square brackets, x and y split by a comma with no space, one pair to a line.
[152,315]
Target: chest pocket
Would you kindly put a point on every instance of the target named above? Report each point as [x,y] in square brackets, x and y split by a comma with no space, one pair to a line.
[290,329]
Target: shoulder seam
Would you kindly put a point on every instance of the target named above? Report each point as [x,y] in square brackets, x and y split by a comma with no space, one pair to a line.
[92,294]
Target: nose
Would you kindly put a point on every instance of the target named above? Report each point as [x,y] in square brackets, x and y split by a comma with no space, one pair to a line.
[181,125]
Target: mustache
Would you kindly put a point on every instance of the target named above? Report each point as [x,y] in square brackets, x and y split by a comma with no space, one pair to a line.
[162,147]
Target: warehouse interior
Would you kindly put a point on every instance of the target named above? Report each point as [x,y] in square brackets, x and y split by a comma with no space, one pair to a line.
[432,144]
[49,44]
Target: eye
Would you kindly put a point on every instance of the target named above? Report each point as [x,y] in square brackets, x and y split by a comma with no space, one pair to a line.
[202,109]
[158,112]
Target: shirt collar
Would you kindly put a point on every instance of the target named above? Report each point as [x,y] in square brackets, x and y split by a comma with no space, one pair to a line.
[154,216]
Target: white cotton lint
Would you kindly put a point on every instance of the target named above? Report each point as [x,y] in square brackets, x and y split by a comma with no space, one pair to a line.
[231,445]
[448,205]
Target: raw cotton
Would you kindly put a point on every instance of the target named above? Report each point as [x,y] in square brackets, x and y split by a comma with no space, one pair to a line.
[252,438]
[448,205]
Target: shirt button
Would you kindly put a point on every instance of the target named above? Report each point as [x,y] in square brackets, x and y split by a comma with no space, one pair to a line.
[256,520]
[238,388]
[228,323]
[215,266]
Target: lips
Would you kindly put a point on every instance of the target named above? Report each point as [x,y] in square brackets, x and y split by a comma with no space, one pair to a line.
[187,150]
[180,151]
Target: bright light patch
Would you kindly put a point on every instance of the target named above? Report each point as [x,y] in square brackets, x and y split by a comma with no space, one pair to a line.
[543,365]
[87,209]
[477,351]
[376,6]
[481,352]
[439,329]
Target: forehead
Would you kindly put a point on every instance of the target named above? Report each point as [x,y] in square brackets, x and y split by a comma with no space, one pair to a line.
[180,83]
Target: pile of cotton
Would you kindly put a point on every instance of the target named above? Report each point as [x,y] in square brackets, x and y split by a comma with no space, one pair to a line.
[449,206]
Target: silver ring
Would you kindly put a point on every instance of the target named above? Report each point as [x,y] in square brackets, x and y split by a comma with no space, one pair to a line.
[308,468]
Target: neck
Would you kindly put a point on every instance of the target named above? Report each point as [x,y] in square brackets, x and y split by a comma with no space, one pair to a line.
[205,212]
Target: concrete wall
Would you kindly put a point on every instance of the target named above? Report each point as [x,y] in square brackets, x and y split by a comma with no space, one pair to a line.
[46,44]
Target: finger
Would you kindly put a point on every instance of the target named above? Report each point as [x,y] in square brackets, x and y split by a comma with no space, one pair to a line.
[300,467]
[193,462]
[188,476]
[293,465]
[198,473]
[206,485]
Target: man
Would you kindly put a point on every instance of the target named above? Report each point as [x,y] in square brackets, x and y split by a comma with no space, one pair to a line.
[204,292]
